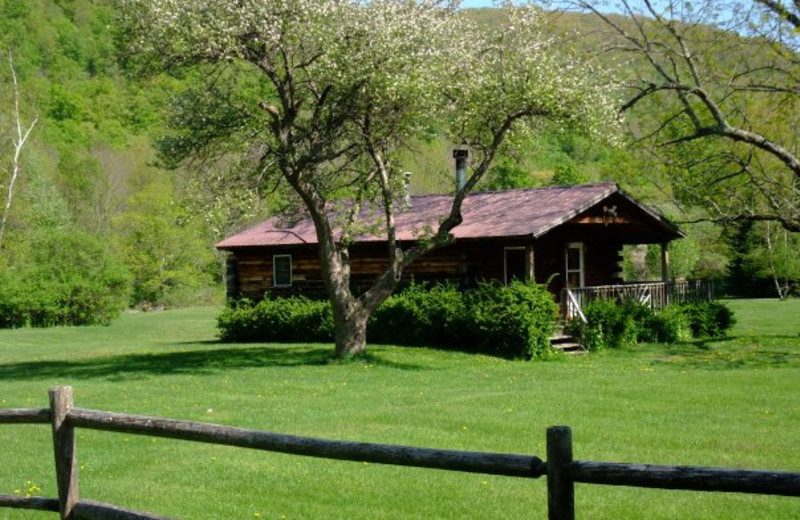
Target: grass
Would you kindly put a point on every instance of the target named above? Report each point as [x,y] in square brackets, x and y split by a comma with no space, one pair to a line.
[734,402]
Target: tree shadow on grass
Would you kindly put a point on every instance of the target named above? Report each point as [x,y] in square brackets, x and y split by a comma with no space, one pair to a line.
[201,361]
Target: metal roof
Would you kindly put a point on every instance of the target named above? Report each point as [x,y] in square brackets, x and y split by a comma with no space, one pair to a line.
[496,214]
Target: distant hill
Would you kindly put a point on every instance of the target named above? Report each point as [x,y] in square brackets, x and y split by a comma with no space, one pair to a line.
[91,164]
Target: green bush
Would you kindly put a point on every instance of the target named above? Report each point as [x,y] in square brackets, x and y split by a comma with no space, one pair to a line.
[420,315]
[282,320]
[514,321]
[613,325]
[708,319]
[66,278]
[668,326]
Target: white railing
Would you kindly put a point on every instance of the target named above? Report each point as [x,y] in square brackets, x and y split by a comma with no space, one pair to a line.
[655,295]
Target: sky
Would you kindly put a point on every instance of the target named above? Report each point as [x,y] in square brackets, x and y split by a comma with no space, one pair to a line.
[476,3]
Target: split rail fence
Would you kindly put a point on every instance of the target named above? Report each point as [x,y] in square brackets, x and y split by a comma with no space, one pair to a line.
[560,470]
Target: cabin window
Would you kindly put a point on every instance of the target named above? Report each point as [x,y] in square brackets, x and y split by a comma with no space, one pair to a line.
[514,264]
[282,270]
[574,265]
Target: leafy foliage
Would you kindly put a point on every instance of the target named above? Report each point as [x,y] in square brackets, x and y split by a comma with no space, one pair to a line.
[708,319]
[67,278]
[611,324]
[162,246]
[514,321]
[508,174]
[421,315]
[295,319]
[83,164]
[567,174]
[772,254]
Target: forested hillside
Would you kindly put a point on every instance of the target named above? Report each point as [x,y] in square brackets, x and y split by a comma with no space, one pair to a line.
[92,204]
[89,190]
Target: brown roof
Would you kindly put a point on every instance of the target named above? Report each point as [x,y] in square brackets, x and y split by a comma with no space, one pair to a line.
[496,214]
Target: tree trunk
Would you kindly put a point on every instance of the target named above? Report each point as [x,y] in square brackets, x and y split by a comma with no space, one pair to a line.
[350,330]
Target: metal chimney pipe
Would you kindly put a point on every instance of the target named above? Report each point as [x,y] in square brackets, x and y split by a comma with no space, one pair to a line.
[461,155]
[407,194]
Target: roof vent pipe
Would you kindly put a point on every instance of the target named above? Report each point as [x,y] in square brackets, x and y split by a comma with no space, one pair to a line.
[407,193]
[460,155]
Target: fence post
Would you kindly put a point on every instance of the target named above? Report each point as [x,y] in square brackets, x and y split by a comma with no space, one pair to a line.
[64,450]
[560,488]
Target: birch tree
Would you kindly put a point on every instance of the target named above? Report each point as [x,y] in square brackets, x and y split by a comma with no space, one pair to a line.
[773,255]
[321,96]
[20,135]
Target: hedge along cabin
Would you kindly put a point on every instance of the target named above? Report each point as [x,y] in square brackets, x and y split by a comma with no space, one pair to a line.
[571,237]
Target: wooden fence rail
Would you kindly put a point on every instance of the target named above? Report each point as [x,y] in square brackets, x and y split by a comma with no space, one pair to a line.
[561,470]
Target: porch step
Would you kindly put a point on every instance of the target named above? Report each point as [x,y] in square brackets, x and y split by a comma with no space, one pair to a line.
[566,344]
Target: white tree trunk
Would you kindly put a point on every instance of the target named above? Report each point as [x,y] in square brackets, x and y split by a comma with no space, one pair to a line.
[19,141]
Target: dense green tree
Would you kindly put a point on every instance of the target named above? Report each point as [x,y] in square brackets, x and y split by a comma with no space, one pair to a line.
[508,174]
[567,174]
[162,246]
[62,277]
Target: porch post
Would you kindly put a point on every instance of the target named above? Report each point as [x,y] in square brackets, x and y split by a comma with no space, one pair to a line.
[530,271]
[665,262]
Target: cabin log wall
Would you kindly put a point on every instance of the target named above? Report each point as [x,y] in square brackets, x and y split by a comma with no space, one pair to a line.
[464,263]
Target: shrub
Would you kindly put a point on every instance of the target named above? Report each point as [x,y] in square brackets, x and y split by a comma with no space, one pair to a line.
[420,315]
[514,321]
[611,325]
[276,320]
[708,319]
[668,326]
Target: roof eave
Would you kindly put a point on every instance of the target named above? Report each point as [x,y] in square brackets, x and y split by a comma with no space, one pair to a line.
[659,219]
[613,188]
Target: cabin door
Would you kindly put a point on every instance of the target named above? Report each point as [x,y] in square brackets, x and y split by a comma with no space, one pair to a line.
[574,265]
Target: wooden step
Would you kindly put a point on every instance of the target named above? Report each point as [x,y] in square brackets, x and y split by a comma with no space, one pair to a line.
[566,344]
[570,348]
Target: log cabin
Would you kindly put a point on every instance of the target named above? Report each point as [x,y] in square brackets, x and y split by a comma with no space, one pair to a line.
[570,237]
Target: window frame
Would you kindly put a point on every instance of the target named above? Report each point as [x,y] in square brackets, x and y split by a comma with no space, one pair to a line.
[275,259]
[581,270]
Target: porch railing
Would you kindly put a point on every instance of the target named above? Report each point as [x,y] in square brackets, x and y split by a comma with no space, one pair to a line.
[655,295]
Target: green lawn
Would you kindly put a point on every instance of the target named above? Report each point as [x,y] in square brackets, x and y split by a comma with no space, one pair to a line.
[733,403]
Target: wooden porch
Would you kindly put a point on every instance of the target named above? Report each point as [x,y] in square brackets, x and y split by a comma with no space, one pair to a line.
[655,295]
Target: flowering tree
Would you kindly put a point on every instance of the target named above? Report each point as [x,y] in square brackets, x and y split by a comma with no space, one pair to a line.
[323,94]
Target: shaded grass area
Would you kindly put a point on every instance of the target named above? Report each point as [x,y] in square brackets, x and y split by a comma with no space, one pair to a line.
[199,361]
[732,402]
